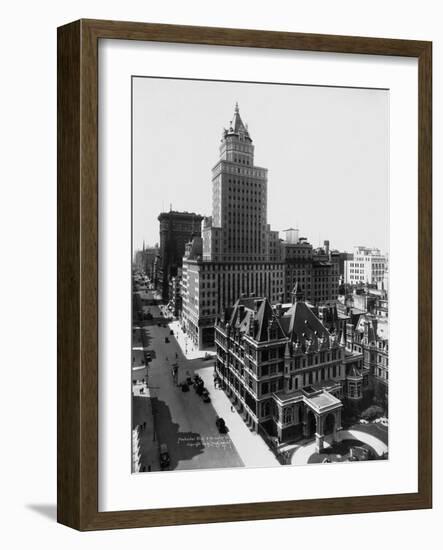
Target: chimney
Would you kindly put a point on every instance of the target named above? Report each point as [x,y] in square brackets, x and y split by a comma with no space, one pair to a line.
[375,326]
[326,247]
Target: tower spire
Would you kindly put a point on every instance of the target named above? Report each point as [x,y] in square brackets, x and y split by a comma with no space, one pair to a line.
[237,125]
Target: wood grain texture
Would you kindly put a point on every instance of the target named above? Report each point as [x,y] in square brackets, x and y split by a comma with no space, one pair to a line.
[78,271]
[68,275]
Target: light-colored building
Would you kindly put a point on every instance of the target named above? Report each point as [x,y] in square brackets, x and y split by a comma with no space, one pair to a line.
[238,230]
[237,253]
[368,266]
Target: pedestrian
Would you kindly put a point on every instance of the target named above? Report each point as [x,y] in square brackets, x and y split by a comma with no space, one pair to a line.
[232,408]
[144,425]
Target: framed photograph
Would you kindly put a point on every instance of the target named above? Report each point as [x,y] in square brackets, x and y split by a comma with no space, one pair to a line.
[244,275]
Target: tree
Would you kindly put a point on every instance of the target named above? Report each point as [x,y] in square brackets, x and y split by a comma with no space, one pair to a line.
[372,412]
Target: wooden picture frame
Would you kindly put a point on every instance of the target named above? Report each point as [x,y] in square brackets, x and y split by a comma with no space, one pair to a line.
[77,480]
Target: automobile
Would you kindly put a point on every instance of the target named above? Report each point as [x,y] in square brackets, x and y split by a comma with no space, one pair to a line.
[165,459]
[221,425]
[363,421]
[184,387]
[384,421]
[205,396]
[166,340]
[199,387]
[171,332]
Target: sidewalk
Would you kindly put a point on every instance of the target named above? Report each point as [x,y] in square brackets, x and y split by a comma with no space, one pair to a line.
[187,347]
[252,449]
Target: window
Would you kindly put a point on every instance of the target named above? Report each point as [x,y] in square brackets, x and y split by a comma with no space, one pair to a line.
[287,415]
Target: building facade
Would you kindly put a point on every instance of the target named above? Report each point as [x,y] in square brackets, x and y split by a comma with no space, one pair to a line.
[292,375]
[237,229]
[368,266]
[366,343]
[284,371]
[208,288]
[145,259]
[176,229]
[238,252]
[175,299]
[317,271]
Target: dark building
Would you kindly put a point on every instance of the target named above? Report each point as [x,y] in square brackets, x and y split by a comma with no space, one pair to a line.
[283,370]
[176,229]
[292,372]
[342,258]
[316,271]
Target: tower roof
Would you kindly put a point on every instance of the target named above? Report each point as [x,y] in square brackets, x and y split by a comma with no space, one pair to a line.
[236,125]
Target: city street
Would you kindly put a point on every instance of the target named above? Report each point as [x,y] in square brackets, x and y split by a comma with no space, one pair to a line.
[181,419]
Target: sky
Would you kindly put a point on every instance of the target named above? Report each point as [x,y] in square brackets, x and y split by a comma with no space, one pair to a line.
[326,150]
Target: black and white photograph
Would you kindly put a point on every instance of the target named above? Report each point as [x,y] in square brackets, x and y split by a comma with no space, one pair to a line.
[260,274]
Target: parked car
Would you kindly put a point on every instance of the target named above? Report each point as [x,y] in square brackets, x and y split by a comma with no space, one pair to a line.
[221,425]
[184,386]
[166,340]
[165,459]
[199,387]
[205,396]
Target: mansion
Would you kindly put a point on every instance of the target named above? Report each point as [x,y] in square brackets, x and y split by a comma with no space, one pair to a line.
[290,373]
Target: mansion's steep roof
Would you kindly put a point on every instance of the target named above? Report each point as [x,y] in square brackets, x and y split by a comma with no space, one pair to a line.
[303,326]
[255,317]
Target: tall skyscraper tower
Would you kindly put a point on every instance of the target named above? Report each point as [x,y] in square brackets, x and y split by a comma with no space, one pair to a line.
[237,253]
[237,230]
